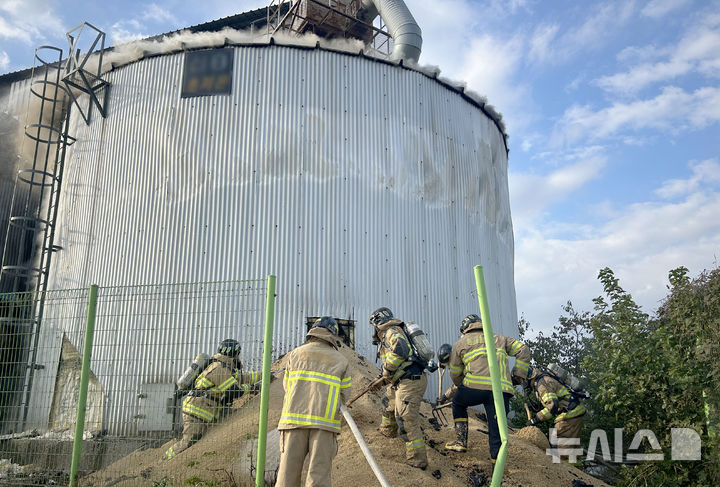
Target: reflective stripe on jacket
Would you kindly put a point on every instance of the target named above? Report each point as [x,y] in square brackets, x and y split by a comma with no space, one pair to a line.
[469,364]
[316,380]
[396,353]
[214,383]
[556,398]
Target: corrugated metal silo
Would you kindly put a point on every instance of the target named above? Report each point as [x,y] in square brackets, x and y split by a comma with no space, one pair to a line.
[359,183]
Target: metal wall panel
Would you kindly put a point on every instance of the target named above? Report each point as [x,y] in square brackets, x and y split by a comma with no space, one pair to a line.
[358,183]
[13,117]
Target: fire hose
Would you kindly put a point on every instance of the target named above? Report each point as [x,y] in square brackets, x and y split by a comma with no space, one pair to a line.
[363,446]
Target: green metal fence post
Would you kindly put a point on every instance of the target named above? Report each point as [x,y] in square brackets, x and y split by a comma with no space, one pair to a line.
[500,412]
[265,390]
[84,379]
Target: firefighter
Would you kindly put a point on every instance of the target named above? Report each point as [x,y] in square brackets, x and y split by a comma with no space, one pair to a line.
[556,400]
[316,380]
[470,372]
[219,383]
[406,385]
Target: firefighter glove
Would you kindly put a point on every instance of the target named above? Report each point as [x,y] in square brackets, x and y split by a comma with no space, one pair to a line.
[377,384]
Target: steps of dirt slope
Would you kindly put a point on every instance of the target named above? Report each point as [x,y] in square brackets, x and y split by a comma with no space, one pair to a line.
[214,460]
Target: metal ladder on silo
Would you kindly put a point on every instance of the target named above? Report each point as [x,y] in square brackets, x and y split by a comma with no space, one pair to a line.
[43,183]
[31,227]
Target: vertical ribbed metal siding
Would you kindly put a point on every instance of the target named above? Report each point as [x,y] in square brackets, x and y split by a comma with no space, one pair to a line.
[13,114]
[358,183]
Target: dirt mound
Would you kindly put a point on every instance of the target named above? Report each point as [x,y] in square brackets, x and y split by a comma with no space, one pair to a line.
[216,459]
[533,435]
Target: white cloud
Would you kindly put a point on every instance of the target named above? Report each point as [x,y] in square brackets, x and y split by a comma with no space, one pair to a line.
[157,14]
[9,31]
[574,84]
[490,67]
[540,42]
[643,75]
[698,50]
[531,140]
[4,60]
[641,243]
[660,8]
[593,33]
[703,173]
[29,21]
[434,19]
[672,111]
[153,19]
[531,194]
[126,31]
[641,54]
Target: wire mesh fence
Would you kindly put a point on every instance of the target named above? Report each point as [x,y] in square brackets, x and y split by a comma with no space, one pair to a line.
[145,338]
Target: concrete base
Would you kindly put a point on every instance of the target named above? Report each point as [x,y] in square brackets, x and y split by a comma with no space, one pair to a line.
[55,455]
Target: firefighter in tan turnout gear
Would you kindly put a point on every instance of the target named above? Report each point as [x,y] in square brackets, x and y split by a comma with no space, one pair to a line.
[470,372]
[220,383]
[407,382]
[556,400]
[316,380]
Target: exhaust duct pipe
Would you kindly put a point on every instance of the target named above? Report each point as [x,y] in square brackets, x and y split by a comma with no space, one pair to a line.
[401,25]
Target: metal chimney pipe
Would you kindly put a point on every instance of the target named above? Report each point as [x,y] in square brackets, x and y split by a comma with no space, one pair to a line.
[401,25]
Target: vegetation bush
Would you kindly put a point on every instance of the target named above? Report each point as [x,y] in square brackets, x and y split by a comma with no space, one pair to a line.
[646,372]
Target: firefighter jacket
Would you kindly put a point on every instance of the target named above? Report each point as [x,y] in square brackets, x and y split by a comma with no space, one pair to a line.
[557,399]
[316,380]
[218,383]
[469,365]
[396,352]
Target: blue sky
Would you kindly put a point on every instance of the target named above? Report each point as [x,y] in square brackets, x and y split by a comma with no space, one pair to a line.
[613,111]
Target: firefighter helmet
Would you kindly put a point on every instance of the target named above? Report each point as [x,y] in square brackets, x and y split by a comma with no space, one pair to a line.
[467,320]
[229,348]
[380,316]
[328,323]
[443,353]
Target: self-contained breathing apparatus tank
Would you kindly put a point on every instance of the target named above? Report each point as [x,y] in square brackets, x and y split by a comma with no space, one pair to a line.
[419,341]
[187,379]
[567,379]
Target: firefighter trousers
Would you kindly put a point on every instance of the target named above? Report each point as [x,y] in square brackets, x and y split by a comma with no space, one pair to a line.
[568,436]
[404,403]
[320,446]
[569,428]
[467,397]
[193,429]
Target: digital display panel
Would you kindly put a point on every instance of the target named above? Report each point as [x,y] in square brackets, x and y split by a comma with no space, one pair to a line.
[207,72]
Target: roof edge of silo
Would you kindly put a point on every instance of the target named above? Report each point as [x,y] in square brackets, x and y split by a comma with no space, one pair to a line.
[431,72]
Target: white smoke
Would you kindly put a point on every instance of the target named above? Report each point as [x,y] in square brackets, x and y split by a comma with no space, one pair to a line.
[184,40]
[130,52]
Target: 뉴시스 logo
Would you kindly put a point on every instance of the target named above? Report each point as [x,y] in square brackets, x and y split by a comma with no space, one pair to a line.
[685,446]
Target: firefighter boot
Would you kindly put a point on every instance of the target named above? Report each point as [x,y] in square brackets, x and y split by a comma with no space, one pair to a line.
[461,432]
[389,427]
[415,453]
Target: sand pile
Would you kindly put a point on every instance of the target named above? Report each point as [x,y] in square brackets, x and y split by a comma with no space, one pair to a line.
[532,434]
[216,459]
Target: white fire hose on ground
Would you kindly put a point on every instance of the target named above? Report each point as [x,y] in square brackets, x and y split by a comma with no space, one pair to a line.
[363,446]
